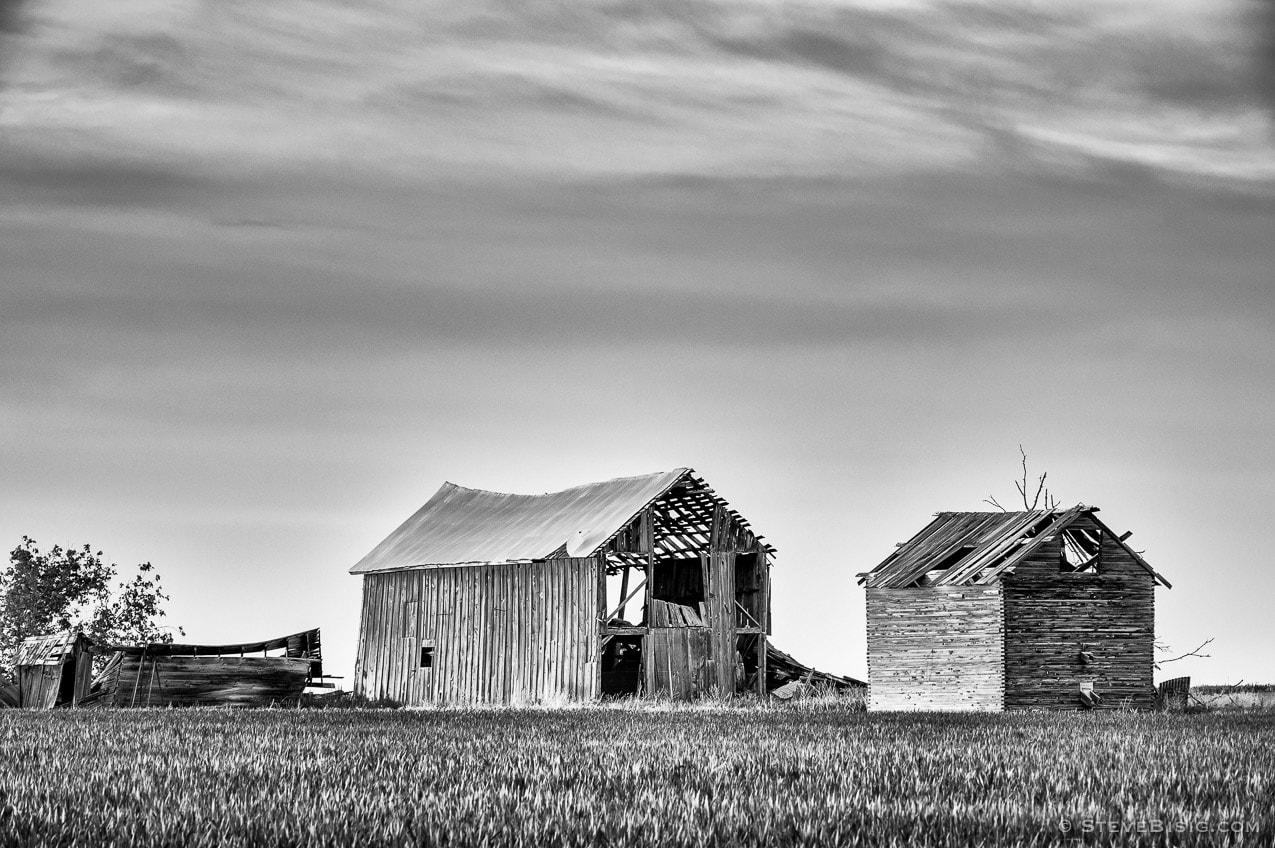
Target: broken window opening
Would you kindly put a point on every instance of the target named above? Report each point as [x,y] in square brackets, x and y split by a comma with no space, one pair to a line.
[677,593]
[1081,551]
[427,656]
[625,589]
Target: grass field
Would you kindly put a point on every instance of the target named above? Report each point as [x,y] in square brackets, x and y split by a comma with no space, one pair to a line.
[633,776]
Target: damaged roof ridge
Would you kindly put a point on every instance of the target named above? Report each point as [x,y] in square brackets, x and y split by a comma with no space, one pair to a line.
[1002,540]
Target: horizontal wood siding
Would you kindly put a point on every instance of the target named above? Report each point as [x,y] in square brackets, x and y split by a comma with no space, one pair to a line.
[1049,617]
[936,648]
[506,633]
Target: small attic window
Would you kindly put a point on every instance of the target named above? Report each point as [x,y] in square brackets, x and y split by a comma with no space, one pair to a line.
[1081,551]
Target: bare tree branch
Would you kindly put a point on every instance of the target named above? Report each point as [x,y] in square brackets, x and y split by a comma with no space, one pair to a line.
[1195,652]
[1050,502]
[991,499]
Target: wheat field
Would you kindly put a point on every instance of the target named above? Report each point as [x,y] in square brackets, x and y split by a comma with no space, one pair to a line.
[634,775]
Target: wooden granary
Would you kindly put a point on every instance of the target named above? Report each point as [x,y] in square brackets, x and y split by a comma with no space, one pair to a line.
[1045,609]
[500,598]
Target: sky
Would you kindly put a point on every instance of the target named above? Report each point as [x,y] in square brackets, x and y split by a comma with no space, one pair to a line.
[271,273]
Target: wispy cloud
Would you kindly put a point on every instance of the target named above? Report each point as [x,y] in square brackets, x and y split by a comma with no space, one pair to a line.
[718,88]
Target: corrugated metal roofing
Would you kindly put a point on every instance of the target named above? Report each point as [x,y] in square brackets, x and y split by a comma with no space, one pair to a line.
[978,547]
[460,525]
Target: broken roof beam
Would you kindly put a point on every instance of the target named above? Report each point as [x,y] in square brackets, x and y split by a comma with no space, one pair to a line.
[1000,552]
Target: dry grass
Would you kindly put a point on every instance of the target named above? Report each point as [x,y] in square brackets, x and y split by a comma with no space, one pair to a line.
[619,775]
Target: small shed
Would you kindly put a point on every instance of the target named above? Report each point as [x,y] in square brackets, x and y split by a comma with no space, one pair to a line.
[491,597]
[54,670]
[1043,609]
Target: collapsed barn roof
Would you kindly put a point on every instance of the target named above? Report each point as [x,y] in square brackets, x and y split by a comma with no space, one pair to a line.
[459,525]
[978,548]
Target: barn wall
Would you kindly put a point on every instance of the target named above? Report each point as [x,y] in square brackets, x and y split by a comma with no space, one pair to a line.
[936,648]
[38,686]
[1049,616]
[504,633]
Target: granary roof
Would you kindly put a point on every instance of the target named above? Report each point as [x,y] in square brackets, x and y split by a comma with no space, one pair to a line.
[460,525]
[977,548]
[51,649]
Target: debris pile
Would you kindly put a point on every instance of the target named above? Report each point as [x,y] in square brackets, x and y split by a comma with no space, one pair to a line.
[787,678]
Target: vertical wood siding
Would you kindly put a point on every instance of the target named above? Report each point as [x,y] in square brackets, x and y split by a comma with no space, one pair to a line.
[1049,616]
[719,582]
[936,648]
[506,633]
[679,662]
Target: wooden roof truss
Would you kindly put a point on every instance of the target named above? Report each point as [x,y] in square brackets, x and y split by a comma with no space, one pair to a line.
[688,519]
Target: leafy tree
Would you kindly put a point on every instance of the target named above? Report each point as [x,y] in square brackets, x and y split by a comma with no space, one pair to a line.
[70,588]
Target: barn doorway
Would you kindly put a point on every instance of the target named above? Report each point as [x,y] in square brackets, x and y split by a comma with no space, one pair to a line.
[622,666]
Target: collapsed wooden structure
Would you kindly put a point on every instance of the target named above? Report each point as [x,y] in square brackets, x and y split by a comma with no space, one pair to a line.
[54,669]
[251,674]
[491,597]
[58,670]
[787,677]
[1044,609]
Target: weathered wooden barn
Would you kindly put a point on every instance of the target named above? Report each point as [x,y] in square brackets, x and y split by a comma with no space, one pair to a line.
[489,597]
[1044,609]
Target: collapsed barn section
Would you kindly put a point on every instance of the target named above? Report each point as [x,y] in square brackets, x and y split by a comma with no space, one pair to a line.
[68,670]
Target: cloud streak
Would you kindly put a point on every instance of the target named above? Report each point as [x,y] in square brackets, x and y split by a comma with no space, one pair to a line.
[605,88]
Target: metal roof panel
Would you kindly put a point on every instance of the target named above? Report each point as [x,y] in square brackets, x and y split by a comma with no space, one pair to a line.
[461,525]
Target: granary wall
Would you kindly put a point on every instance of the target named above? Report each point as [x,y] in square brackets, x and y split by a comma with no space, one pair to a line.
[509,632]
[1065,632]
[936,648]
